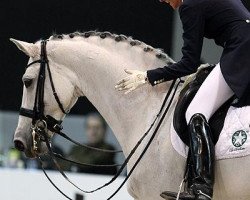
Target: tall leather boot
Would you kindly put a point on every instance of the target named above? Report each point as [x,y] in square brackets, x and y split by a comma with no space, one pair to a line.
[202,157]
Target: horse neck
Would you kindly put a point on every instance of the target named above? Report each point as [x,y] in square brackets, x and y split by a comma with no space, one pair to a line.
[98,68]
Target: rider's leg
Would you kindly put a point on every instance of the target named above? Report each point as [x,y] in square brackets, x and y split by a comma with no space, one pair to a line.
[211,95]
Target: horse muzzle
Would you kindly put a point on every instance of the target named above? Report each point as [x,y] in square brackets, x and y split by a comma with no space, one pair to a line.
[25,144]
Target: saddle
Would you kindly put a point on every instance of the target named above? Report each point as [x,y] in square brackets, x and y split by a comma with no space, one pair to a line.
[190,88]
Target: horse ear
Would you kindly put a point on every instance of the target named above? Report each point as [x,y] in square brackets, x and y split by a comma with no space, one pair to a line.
[29,49]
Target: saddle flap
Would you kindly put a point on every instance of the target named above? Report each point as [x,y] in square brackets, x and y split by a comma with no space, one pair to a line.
[191,86]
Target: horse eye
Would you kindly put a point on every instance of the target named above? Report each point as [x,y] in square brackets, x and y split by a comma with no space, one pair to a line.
[27,82]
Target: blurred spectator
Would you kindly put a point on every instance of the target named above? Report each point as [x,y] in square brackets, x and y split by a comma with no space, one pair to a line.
[14,159]
[95,127]
[1,158]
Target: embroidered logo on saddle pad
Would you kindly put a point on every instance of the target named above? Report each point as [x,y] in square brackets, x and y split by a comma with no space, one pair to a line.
[239,138]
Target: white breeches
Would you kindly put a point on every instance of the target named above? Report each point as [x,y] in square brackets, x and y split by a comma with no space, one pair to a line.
[211,95]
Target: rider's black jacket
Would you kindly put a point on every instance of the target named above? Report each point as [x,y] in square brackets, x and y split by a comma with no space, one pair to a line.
[228,23]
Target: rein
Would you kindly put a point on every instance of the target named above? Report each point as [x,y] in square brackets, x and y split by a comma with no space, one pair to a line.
[41,124]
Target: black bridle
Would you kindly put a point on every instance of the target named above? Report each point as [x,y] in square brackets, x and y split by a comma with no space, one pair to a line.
[41,124]
[39,120]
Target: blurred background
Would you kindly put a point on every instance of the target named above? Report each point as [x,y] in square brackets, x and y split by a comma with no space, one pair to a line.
[30,20]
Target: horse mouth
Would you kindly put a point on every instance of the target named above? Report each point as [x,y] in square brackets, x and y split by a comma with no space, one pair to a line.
[28,150]
[30,154]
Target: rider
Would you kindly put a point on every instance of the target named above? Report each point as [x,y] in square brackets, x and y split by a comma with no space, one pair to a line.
[228,23]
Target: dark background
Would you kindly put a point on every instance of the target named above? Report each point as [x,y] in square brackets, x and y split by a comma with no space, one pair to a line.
[31,20]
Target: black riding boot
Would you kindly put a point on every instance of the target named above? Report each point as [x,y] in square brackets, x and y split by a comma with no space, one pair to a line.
[202,158]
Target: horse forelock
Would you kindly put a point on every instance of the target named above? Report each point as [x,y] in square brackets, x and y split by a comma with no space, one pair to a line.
[159,53]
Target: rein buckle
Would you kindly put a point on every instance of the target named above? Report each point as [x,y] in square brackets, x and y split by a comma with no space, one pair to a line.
[57,127]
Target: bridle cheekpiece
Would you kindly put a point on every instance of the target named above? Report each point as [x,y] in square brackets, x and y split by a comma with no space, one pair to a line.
[41,123]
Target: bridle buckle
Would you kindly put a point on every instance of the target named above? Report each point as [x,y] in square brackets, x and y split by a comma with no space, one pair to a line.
[57,127]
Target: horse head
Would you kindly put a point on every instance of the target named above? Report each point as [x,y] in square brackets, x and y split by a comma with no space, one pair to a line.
[64,83]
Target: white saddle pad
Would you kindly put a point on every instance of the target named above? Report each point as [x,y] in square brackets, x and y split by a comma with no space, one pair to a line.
[234,140]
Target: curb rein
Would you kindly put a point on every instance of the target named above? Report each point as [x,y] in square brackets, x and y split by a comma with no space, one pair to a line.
[41,124]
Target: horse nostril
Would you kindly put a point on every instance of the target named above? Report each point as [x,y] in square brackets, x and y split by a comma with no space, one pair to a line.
[19,145]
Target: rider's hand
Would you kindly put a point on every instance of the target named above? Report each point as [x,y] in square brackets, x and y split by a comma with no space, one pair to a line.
[135,79]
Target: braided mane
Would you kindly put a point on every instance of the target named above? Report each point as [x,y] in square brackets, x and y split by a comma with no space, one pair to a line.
[118,38]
